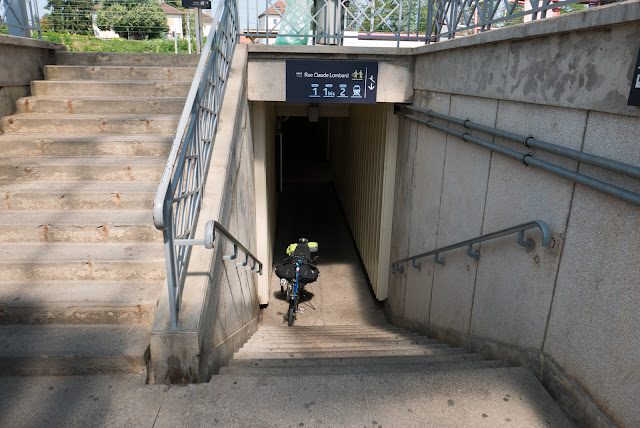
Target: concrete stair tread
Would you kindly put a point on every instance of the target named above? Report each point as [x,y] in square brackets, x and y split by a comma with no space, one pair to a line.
[100,98]
[119,72]
[109,123]
[79,186]
[83,161]
[126,59]
[65,349]
[89,137]
[76,217]
[65,340]
[84,117]
[59,252]
[348,353]
[336,346]
[109,82]
[268,330]
[72,104]
[372,367]
[93,293]
[348,361]
[117,67]
[126,89]
[343,347]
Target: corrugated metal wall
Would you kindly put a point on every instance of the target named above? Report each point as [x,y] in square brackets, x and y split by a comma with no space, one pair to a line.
[363,156]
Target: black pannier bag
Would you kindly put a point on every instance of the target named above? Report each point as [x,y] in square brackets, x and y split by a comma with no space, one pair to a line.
[308,272]
[287,270]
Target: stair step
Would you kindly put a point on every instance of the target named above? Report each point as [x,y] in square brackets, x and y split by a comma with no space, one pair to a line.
[114,195]
[114,72]
[457,356]
[93,105]
[86,124]
[336,344]
[431,350]
[117,88]
[293,337]
[85,145]
[78,226]
[359,368]
[334,347]
[82,169]
[79,302]
[62,261]
[55,350]
[298,330]
[127,59]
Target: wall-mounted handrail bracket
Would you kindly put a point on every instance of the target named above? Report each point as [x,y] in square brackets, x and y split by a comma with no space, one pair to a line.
[519,229]
[416,265]
[470,252]
[528,243]
[232,256]
[246,261]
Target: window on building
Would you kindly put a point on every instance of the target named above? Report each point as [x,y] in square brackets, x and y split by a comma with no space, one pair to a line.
[275,21]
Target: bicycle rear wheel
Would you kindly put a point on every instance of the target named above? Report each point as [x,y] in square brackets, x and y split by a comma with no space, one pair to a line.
[292,312]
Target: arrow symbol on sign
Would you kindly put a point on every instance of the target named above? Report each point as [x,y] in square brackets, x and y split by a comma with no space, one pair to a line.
[371,87]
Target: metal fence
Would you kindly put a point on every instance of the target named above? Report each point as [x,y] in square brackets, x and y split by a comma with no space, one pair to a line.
[20,17]
[422,21]
[179,197]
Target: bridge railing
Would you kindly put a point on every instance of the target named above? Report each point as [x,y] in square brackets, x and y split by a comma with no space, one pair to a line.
[20,17]
[179,197]
[424,21]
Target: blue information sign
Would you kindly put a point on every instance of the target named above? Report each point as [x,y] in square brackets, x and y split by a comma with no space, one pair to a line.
[332,81]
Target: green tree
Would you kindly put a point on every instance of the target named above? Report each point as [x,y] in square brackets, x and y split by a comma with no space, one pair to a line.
[70,16]
[133,19]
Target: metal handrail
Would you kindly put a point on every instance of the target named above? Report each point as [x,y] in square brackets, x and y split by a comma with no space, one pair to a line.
[176,207]
[531,142]
[529,160]
[210,230]
[544,228]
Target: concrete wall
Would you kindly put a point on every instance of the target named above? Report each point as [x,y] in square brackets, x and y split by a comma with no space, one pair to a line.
[21,61]
[363,164]
[220,301]
[267,69]
[569,312]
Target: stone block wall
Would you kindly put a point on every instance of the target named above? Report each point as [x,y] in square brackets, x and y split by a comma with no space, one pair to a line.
[22,60]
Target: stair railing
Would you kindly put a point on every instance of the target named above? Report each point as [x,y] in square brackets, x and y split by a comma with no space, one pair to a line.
[528,159]
[519,229]
[177,203]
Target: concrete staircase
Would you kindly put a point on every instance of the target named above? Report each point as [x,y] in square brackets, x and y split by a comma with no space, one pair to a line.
[355,375]
[349,349]
[81,265]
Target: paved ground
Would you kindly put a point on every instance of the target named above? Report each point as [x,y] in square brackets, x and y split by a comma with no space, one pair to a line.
[491,398]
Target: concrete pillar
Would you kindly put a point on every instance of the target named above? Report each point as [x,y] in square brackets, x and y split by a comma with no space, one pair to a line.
[263,126]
